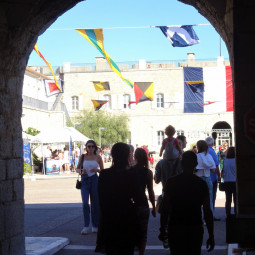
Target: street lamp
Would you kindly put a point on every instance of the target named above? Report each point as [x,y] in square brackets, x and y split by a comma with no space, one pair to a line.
[101,128]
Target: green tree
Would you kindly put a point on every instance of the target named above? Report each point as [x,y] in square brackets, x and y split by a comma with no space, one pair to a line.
[116,126]
[32,131]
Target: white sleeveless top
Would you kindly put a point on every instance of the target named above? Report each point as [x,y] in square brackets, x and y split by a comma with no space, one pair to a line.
[90,164]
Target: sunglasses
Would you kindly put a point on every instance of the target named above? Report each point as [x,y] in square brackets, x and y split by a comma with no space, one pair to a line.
[90,146]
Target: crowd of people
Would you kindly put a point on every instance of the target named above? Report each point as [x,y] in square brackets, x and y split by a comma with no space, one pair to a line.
[63,157]
[119,208]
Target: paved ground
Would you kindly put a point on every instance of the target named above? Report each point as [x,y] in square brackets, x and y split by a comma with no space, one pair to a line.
[53,209]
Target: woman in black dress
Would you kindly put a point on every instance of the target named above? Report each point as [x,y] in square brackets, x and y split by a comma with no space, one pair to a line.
[145,178]
[119,197]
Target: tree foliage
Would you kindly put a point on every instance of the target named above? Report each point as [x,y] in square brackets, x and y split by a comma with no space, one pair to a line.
[32,131]
[116,126]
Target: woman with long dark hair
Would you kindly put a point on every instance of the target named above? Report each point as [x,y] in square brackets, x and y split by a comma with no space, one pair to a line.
[119,196]
[89,165]
[229,176]
[145,179]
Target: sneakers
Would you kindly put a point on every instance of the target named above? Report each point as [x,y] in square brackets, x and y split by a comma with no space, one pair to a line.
[94,230]
[165,243]
[85,231]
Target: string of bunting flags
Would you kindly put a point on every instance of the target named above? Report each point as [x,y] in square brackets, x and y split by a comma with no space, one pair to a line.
[179,36]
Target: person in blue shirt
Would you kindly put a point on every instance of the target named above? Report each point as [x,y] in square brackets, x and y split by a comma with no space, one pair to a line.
[215,176]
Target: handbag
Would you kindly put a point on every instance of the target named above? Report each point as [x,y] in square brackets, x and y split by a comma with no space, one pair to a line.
[78,183]
[222,186]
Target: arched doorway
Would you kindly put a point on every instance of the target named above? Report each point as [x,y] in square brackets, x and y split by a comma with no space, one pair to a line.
[233,19]
[222,132]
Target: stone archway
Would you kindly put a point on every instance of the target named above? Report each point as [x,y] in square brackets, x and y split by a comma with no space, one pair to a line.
[21,22]
[222,132]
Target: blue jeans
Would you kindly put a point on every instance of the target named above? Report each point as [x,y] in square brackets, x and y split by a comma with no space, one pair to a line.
[89,188]
[210,187]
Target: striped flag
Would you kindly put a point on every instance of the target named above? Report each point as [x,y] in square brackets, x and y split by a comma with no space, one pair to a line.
[49,65]
[101,85]
[180,36]
[96,38]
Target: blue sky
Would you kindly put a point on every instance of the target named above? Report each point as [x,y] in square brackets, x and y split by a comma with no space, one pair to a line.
[59,46]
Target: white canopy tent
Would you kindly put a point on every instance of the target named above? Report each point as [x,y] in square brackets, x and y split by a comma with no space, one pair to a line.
[60,135]
[26,137]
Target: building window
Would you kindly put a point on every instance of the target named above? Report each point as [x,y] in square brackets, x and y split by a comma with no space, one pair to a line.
[108,105]
[126,100]
[75,103]
[160,100]
[160,137]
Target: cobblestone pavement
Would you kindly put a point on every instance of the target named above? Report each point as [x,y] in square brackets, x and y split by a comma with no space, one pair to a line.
[53,209]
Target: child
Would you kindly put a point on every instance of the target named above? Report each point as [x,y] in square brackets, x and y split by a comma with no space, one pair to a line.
[151,159]
[170,145]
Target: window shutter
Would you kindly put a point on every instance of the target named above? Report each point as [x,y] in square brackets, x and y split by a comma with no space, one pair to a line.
[81,107]
[166,100]
[132,106]
[68,102]
[114,101]
[154,102]
[179,97]
[120,102]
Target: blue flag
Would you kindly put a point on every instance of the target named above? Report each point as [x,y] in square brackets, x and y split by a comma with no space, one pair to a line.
[193,90]
[180,36]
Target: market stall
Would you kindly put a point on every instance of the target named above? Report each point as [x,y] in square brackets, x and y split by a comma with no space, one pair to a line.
[54,137]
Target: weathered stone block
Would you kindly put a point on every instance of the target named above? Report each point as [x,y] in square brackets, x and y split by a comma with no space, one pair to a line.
[5,148]
[17,147]
[2,220]
[17,246]
[2,169]
[14,218]
[2,126]
[5,247]
[14,168]
[18,189]
[6,191]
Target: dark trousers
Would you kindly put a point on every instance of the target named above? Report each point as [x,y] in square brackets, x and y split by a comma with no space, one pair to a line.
[215,185]
[185,239]
[230,190]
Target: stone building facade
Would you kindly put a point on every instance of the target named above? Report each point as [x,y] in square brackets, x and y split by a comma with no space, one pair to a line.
[37,108]
[147,119]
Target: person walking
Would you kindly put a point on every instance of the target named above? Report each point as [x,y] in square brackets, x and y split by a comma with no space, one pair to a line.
[205,166]
[229,176]
[145,179]
[215,176]
[89,165]
[181,216]
[119,197]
